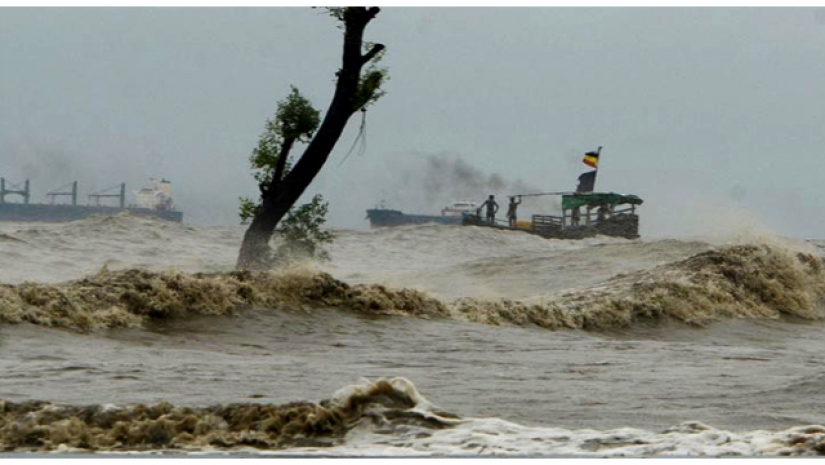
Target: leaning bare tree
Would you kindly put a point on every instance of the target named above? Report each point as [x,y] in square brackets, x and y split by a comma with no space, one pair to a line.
[281,185]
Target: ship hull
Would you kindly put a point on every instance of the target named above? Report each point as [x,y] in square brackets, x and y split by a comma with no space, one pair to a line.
[60,213]
[380,217]
[624,225]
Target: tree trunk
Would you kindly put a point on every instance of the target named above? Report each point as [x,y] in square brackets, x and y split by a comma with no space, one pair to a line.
[255,252]
[286,146]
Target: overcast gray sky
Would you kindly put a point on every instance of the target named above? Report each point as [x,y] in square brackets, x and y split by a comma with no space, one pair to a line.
[713,116]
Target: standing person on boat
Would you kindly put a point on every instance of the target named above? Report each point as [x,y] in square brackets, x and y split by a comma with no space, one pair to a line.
[603,212]
[511,210]
[575,216]
[492,209]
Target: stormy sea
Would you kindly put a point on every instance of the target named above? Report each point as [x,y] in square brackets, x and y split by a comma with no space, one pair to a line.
[134,335]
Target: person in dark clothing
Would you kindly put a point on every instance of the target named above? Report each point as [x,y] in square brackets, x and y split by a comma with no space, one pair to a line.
[603,212]
[575,216]
[511,210]
[492,209]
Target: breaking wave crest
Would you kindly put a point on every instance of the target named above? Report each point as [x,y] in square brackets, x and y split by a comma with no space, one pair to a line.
[745,281]
[384,417]
[128,298]
[44,426]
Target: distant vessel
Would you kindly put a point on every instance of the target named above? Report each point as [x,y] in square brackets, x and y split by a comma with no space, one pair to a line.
[154,200]
[381,216]
[459,209]
[584,213]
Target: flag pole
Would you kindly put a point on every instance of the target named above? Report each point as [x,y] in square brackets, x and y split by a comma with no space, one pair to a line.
[542,193]
[599,162]
[587,181]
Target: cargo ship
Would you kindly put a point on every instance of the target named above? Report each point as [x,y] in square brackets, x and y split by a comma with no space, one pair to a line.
[153,200]
[381,216]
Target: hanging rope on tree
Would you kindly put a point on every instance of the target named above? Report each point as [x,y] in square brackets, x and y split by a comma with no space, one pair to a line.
[362,137]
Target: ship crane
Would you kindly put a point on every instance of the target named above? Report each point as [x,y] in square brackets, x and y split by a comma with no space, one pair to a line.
[57,193]
[102,194]
[16,190]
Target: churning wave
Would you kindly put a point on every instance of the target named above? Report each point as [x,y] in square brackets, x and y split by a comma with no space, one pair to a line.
[127,272]
[746,281]
[384,417]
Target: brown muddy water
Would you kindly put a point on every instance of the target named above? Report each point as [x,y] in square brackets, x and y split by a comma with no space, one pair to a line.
[733,375]
[741,385]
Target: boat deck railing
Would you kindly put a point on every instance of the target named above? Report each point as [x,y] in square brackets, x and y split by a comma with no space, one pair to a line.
[586,218]
[547,220]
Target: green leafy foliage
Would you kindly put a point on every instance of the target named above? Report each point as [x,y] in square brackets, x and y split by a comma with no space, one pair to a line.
[336,12]
[302,234]
[300,229]
[295,120]
[372,79]
[248,209]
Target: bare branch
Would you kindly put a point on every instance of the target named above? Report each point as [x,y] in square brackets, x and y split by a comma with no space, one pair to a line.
[371,12]
[376,49]
[286,146]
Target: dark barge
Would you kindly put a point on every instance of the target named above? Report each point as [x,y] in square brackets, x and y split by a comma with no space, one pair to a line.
[382,217]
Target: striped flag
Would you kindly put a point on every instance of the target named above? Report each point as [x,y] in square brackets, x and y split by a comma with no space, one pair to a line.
[591,159]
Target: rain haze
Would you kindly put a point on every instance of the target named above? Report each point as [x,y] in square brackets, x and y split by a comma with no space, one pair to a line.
[713,116]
